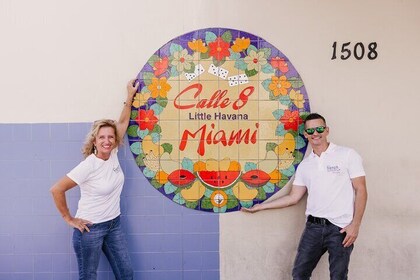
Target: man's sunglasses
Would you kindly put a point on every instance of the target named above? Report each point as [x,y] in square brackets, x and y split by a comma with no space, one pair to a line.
[319,129]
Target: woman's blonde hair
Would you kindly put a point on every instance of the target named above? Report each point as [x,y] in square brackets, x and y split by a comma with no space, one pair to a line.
[88,147]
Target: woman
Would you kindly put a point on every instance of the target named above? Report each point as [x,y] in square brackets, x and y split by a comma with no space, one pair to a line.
[97,221]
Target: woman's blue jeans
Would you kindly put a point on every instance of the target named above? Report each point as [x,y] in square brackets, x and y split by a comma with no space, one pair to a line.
[109,238]
[315,241]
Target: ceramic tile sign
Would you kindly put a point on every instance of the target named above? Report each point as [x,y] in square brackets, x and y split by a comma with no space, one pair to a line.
[217,123]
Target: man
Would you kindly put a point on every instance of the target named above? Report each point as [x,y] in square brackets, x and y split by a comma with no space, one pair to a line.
[335,180]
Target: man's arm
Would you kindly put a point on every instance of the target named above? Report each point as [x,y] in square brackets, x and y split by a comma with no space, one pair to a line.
[292,198]
[360,193]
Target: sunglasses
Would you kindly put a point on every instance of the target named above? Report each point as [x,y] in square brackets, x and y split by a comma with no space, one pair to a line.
[319,129]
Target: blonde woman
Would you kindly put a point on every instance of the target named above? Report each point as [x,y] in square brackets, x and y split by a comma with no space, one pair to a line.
[100,178]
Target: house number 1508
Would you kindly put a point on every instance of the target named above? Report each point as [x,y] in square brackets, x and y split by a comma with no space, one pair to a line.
[358,51]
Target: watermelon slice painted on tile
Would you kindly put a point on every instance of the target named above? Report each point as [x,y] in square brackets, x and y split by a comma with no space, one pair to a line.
[219,179]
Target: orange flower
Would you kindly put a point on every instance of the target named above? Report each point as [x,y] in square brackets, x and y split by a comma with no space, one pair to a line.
[219,49]
[197,46]
[241,44]
[159,87]
[279,85]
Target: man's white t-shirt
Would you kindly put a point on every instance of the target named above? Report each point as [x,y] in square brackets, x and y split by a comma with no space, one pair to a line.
[328,181]
[101,183]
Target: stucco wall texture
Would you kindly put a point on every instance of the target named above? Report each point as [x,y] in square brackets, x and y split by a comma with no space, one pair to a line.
[68,63]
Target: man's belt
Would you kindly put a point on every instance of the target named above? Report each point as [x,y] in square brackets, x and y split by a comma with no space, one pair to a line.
[319,221]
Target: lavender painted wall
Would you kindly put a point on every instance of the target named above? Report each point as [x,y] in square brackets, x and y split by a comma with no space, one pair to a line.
[166,240]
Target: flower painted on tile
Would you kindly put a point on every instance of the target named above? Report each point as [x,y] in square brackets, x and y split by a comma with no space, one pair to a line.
[279,63]
[140,99]
[197,46]
[219,49]
[146,119]
[241,44]
[255,60]
[161,66]
[182,60]
[279,85]
[291,120]
[159,87]
[297,98]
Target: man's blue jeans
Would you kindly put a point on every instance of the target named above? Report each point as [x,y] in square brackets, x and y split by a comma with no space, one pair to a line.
[109,238]
[315,241]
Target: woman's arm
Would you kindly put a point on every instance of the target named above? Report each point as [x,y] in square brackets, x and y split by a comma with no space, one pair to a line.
[58,192]
[122,123]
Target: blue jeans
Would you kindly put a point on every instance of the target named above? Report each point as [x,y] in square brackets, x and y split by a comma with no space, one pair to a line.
[109,238]
[315,241]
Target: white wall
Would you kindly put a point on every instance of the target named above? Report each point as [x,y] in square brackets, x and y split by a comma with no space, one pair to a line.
[69,61]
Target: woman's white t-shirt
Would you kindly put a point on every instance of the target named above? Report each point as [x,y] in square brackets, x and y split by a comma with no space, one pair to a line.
[101,183]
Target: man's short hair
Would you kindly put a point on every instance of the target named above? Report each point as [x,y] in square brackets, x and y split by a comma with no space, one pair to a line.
[314,116]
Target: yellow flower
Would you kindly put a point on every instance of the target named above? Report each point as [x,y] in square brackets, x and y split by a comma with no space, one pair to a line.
[140,99]
[297,98]
[279,85]
[197,45]
[241,44]
[159,87]
[255,60]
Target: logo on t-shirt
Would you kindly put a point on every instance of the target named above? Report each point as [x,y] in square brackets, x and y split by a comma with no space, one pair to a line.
[333,168]
[116,169]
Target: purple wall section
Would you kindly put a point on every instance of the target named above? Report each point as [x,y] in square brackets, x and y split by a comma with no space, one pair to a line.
[166,240]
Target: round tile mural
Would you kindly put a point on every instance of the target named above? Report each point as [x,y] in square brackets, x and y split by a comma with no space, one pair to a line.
[218,121]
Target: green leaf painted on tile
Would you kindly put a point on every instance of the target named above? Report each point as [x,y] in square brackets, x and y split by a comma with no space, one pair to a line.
[132,130]
[162,101]
[250,166]
[139,160]
[285,100]
[210,37]
[300,142]
[251,73]
[191,204]
[218,62]
[173,48]
[240,64]
[265,84]
[219,210]
[280,130]
[179,199]
[157,129]
[147,77]
[261,194]
[296,82]
[169,188]
[187,164]
[246,203]
[152,60]
[155,184]
[270,146]
[205,55]
[134,114]
[267,52]
[136,148]
[277,114]
[298,157]
[234,55]
[157,109]
[251,48]
[227,36]
[269,187]
[206,203]
[142,133]
[148,173]
[267,68]
[232,202]
[167,148]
